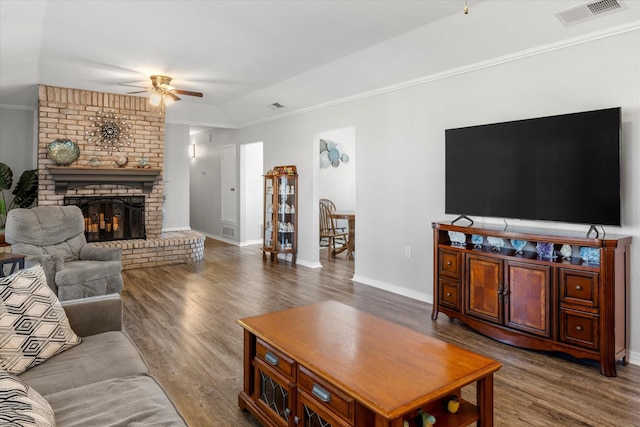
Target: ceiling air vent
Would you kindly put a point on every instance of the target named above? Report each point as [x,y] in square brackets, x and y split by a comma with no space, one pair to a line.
[588,11]
[276,106]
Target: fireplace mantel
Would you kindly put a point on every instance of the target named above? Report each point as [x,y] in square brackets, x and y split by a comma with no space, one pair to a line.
[66,178]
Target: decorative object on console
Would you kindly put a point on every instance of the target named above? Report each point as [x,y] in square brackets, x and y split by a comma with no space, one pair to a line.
[109,131]
[94,162]
[518,245]
[122,161]
[545,250]
[496,243]
[63,151]
[477,240]
[590,255]
[457,238]
[566,251]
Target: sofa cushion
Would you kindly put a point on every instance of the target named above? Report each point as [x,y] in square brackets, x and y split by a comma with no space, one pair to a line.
[33,324]
[98,357]
[136,400]
[21,405]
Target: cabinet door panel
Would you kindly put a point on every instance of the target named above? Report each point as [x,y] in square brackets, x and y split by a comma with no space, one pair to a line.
[528,298]
[274,394]
[484,288]
[311,414]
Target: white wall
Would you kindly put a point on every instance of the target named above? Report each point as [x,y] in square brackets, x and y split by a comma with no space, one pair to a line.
[251,197]
[176,178]
[400,174]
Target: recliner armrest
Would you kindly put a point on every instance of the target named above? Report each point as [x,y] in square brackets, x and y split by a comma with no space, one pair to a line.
[94,315]
[97,253]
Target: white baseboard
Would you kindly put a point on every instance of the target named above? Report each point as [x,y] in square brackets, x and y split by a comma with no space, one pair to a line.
[420,296]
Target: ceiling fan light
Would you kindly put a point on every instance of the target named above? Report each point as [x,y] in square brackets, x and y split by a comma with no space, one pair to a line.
[155,99]
[167,100]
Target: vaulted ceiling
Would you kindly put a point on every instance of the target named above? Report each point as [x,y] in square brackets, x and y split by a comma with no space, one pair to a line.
[247,55]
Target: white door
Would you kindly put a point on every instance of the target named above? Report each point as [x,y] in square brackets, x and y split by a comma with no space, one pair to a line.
[229,193]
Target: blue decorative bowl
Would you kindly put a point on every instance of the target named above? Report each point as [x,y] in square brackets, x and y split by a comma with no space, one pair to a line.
[457,238]
[590,255]
[496,242]
[518,245]
[477,240]
[545,250]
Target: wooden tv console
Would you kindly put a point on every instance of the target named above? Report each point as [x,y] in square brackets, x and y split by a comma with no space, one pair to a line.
[551,304]
[331,365]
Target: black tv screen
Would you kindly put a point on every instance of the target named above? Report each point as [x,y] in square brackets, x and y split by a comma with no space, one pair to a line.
[559,168]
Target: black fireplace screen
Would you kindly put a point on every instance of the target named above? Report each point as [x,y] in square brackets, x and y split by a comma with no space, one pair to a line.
[111,218]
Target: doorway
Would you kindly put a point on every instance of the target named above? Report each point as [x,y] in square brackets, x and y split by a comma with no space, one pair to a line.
[334,154]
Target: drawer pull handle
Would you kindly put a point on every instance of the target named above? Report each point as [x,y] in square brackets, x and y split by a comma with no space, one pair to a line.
[321,393]
[271,358]
[578,328]
[448,294]
[578,288]
[448,262]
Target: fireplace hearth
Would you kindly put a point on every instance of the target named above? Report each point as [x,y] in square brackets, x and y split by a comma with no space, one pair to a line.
[111,217]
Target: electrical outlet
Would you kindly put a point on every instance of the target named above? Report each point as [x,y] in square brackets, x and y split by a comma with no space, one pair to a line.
[407,251]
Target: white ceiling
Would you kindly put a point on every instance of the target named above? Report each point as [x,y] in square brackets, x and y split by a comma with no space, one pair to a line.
[246,55]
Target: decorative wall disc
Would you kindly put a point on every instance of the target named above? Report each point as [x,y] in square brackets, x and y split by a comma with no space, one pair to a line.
[109,131]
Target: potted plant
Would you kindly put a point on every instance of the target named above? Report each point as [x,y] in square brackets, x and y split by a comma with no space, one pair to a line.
[24,193]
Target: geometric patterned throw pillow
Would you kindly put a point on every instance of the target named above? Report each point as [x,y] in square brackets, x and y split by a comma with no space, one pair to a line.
[21,405]
[33,325]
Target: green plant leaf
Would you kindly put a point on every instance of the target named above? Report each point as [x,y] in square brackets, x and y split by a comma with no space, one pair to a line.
[26,191]
[6,177]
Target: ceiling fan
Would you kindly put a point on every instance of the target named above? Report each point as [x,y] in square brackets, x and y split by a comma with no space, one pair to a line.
[163,91]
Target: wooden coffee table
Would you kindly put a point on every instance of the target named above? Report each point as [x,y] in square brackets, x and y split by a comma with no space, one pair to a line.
[330,364]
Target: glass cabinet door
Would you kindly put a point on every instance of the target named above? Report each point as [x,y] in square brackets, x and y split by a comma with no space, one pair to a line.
[286,213]
[274,394]
[268,212]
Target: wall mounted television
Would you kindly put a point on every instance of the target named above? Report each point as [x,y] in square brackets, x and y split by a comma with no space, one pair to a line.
[560,168]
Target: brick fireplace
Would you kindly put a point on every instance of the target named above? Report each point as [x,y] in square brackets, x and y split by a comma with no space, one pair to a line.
[65,114]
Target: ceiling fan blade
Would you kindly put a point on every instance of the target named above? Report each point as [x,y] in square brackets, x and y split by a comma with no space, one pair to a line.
[172,96]
[138,91]
[124,84]
[189,93]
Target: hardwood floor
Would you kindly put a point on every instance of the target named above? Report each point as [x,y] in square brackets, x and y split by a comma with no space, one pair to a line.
[183,320]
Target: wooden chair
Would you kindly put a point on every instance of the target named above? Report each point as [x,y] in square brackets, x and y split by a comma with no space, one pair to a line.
[337,239]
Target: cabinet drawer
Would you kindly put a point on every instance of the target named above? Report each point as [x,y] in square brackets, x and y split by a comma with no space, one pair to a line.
[450,263]
[276,359]
[449,294]
[579,287]
[579,328]
[328,396]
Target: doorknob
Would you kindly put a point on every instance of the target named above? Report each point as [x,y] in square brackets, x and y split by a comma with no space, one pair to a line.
[232,189]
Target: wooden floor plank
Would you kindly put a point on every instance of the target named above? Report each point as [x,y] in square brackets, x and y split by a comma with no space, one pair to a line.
[183,320]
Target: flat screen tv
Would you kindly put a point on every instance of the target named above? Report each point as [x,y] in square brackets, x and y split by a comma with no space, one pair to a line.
[560,168]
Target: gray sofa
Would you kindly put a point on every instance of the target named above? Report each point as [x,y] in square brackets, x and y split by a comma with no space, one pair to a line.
[103,381]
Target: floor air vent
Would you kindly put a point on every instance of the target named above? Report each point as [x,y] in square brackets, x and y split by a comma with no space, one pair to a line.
[228,231]
[588,11]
